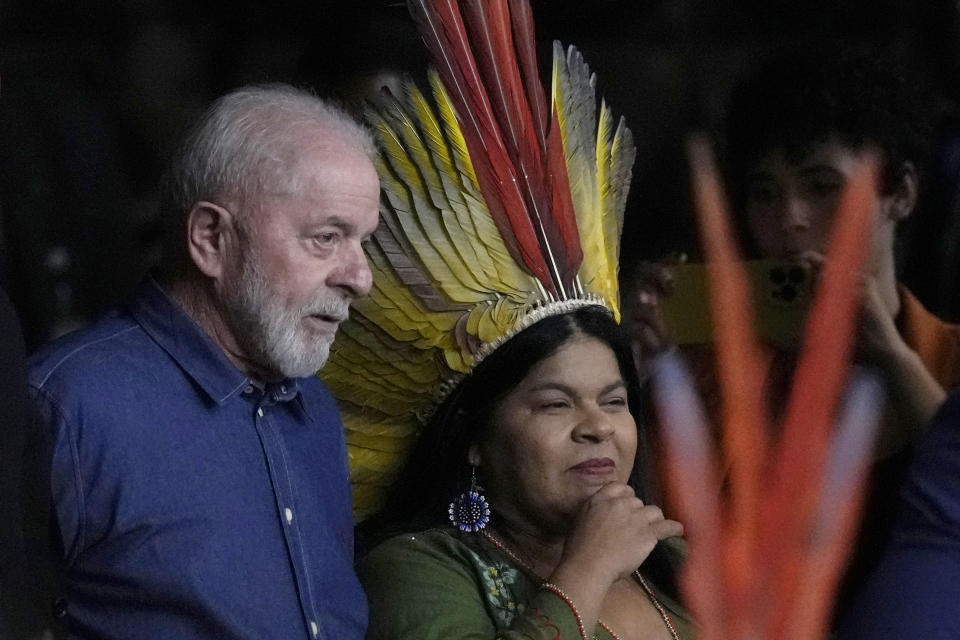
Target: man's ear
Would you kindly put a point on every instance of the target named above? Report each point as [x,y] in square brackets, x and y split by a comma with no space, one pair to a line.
[473,455]
[903,198]
[210,231]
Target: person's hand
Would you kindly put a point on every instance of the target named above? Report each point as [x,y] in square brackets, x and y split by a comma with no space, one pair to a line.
[615,531]
[877,340]
[915,395]
[611,535]
[651,282]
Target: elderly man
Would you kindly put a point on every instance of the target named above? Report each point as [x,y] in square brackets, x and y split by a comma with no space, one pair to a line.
[199,471]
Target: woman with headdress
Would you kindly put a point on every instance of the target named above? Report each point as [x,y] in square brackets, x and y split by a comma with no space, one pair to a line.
[551,535]
[489,358]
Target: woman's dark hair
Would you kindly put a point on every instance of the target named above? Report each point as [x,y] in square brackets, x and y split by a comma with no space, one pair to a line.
[438,469]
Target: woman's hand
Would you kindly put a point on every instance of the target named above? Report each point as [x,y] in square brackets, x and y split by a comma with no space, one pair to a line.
[611,536]
[615,532]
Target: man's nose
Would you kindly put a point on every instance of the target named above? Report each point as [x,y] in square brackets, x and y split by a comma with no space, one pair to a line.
[353,274]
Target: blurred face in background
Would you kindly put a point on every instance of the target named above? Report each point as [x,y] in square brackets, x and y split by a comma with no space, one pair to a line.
[791,202]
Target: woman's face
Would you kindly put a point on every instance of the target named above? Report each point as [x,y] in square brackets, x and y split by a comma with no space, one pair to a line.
[558,437]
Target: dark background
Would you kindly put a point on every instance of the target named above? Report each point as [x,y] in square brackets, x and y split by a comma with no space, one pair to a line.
[96,93]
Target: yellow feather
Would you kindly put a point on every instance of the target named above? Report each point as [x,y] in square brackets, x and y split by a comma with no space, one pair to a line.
[389,293]
[457,360]
[369,465]
[369,421]
[368,498]
[615,156]
[511,277]
[575,103]
[402,184]
[450,199]
[345,383]
[387,444]
[409,374]
[622,156]
[431,207]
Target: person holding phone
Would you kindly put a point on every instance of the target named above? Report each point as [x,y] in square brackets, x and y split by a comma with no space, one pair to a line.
[795,131]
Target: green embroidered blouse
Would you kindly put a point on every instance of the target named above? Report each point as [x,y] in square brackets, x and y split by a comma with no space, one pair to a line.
[444,585]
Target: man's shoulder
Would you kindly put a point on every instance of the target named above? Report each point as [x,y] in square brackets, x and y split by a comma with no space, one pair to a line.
[100,350]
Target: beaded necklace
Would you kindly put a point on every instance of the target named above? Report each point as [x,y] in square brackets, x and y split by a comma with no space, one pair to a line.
[636,574]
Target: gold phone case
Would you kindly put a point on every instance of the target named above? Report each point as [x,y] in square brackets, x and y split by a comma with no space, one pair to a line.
[782,292]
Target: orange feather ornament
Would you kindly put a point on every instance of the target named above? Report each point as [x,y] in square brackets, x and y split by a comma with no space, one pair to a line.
[767,551]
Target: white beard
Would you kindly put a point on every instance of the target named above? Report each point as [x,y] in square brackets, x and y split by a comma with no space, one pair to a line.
[274,334]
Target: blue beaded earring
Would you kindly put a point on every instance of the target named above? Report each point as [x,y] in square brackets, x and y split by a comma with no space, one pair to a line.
[470,511]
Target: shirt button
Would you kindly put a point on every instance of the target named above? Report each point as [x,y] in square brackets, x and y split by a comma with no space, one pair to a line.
[313,628]
[288,514]
[260,412]
[248,389]
[59,608]
[283,388]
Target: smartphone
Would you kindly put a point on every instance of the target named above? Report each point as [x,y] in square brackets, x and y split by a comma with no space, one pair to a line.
[781,291]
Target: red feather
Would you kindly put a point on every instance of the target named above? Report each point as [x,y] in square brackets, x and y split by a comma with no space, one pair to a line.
[823,367]
[444,34]
[522,179]
[488,22]
[740,370]
[769,569]
[564,215]
[550,204]
[563,212]
[525,41]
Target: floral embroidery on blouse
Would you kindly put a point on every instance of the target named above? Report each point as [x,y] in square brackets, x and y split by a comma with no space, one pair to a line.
[496,576]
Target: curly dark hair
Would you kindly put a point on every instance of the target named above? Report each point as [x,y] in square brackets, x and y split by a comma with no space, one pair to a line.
[802,97]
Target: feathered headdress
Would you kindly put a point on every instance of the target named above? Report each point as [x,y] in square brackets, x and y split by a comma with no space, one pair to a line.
[497,210]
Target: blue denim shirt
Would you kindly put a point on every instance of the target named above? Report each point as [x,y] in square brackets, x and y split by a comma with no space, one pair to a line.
[192,504]
[915,590]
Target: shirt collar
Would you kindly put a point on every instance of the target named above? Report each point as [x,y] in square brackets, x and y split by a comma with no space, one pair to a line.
[197,354]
